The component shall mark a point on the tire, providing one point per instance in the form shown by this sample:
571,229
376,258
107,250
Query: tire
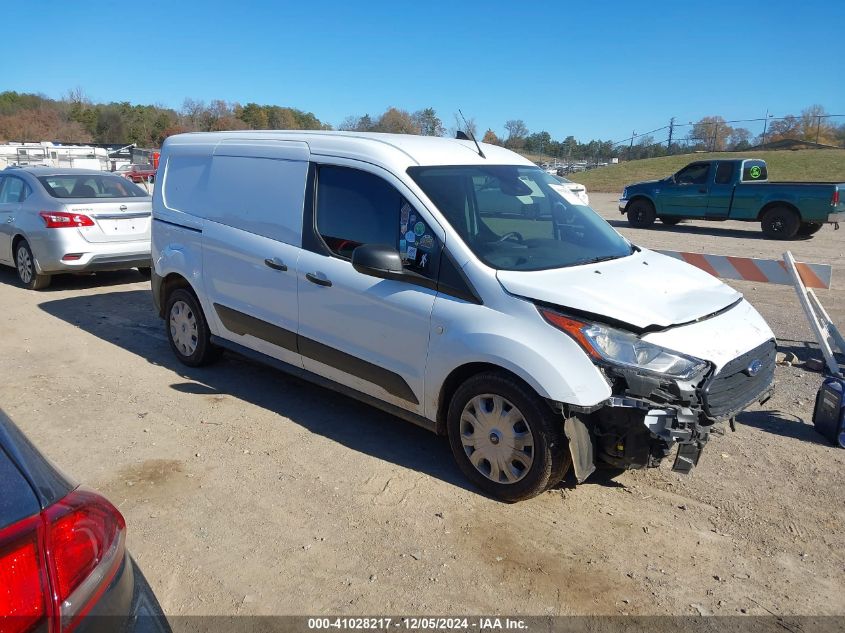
187,330
780,223
515,472
145,272
27,268
641,214
670,221
809,228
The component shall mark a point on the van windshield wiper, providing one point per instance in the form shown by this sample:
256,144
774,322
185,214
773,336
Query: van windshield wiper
596,260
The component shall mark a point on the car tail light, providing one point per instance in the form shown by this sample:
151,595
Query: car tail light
61,219
834,200
58,563
23,586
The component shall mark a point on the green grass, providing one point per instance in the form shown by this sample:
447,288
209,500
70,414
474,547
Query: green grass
806,164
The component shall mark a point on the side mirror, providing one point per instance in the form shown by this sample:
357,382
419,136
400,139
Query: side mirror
377,260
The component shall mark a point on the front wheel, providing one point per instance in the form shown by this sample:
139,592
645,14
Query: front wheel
187,330
505,438
27,269
809,228
780,223
641,214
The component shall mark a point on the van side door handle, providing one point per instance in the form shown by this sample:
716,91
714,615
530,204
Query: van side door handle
275,263
314,279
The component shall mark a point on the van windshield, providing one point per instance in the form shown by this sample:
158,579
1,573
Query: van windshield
519,218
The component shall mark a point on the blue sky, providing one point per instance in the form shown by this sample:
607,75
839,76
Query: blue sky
593,70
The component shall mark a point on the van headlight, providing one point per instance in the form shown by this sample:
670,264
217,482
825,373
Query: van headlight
618,347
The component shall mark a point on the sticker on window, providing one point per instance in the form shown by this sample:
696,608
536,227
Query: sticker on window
426,242
412,253
419,229
410,237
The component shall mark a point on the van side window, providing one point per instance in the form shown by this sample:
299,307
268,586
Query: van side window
695,174
724,173
354,208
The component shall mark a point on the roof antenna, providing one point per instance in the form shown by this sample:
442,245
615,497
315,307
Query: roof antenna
471,135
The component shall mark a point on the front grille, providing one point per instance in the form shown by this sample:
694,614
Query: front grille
732,389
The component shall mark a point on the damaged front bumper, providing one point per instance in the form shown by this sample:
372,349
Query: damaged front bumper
648,415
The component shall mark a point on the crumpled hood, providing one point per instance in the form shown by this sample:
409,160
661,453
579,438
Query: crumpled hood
644,290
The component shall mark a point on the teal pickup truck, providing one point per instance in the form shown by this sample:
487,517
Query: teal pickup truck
735,189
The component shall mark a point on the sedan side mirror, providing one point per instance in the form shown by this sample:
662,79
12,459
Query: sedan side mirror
377,260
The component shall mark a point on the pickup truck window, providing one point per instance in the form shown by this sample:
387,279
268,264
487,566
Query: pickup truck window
754,171
695,174
724,173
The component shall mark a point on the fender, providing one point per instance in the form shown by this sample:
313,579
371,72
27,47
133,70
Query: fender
520,341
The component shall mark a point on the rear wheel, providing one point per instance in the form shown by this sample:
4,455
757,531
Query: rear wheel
187,330
669,221
780,223
505,438
27,269
641,213
809,228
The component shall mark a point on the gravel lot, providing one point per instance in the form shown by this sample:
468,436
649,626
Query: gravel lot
248,492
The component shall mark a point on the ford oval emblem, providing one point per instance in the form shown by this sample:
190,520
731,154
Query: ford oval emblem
754,367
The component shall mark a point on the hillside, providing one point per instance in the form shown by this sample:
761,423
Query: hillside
808,164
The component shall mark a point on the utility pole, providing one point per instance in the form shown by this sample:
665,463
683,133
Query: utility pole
818,127
631,146
715,133
671,129
765,123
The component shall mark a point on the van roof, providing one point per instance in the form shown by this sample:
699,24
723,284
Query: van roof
389,150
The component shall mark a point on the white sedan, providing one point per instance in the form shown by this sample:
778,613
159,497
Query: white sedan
580,191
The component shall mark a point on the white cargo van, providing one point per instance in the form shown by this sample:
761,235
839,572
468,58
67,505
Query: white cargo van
458,286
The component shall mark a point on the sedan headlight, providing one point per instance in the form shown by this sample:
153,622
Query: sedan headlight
618,347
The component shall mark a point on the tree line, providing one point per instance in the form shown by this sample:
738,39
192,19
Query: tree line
75,118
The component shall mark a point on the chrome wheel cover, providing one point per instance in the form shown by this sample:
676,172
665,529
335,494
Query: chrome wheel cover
496,438
183,328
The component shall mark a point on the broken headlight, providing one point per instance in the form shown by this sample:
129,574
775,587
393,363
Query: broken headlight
618,347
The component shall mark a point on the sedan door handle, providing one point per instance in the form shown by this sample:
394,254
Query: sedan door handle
275,263
314,279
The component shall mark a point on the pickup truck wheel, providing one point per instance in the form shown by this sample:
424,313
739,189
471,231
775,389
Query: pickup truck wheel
780,223
670,221
641,214
505,438
809,228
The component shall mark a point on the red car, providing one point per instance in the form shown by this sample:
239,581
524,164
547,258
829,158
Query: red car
141,173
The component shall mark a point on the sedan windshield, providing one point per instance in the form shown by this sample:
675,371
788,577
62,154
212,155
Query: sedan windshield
519,218
90,186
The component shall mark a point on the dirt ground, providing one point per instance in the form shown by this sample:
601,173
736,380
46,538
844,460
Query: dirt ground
248,492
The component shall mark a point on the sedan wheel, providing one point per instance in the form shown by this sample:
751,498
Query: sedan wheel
27,269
